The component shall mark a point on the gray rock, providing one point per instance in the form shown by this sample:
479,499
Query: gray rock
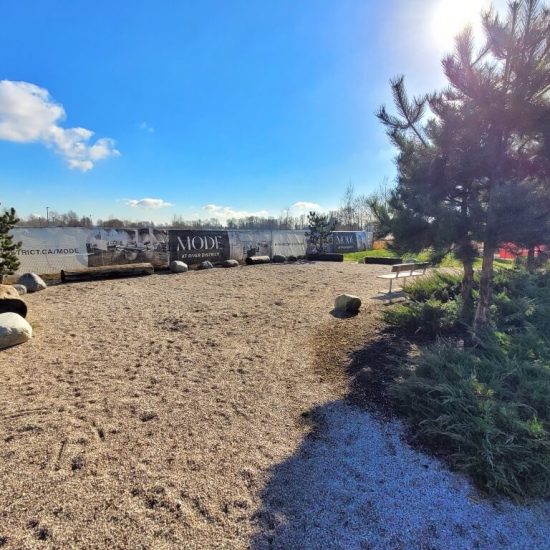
230,263
292,258
278,259
347,303
205,265
21,289
13,330
32,282
178,267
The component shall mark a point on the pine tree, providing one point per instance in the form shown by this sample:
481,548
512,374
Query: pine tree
506,86
320,227
487,141
9,262
430,207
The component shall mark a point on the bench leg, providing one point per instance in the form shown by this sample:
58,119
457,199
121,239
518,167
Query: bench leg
391,281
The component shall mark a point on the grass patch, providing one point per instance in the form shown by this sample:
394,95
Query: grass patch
356,256
486,408
423,256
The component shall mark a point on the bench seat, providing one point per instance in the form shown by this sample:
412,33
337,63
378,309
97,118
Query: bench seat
401,275
402,271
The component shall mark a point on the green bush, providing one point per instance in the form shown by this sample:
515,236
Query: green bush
431,317
489,415
439,286
487,408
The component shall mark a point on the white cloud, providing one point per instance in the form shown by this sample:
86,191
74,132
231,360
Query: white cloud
224,213
146,127
304,206
29,114
148,203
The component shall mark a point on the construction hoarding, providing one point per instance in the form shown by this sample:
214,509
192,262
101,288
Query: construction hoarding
51,249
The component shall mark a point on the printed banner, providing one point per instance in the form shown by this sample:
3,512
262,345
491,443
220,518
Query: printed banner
127,246
343,241
51,249
193,247
289,243
245,244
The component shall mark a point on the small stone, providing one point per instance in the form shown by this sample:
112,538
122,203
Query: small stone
206,265
230,263
21,289
13,330
32,282
178,267
146,416
278,259
364,376
347,303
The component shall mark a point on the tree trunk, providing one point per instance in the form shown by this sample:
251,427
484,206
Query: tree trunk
466,292
482,316
531,258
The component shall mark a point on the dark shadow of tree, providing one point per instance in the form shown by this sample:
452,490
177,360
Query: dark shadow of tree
354,483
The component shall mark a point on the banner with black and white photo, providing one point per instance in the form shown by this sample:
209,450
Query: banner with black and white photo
244,244
289,243
51,249
127,246
343,241
48,250
195,246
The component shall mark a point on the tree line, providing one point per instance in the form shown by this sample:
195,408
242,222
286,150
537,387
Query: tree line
353,214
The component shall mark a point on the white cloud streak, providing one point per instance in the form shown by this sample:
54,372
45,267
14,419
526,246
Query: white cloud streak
224,213
146,127
148,203
28,114
305,206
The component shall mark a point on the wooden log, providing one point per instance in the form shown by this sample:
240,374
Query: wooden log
387,260
107,272
13,305
325,257
254,260
11,302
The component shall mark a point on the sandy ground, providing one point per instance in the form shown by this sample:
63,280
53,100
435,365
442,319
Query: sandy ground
148,412
204,410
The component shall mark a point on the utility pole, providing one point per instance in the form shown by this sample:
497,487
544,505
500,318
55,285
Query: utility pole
47,216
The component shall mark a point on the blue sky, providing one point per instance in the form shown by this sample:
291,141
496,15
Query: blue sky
245,106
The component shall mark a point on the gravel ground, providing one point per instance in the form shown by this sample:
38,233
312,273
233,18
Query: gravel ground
207,410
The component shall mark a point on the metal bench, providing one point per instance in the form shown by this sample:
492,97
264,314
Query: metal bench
402,271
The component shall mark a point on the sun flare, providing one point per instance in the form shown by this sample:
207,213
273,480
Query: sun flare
452,16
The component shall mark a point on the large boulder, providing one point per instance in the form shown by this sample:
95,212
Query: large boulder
206,265
178,267
32,282
10,301
278,259
13,330
230,263
347,303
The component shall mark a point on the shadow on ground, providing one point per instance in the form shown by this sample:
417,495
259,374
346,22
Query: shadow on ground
354,483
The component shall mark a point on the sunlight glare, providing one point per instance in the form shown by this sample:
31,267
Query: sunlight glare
451,16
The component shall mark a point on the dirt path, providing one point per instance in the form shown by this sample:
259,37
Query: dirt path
149,412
